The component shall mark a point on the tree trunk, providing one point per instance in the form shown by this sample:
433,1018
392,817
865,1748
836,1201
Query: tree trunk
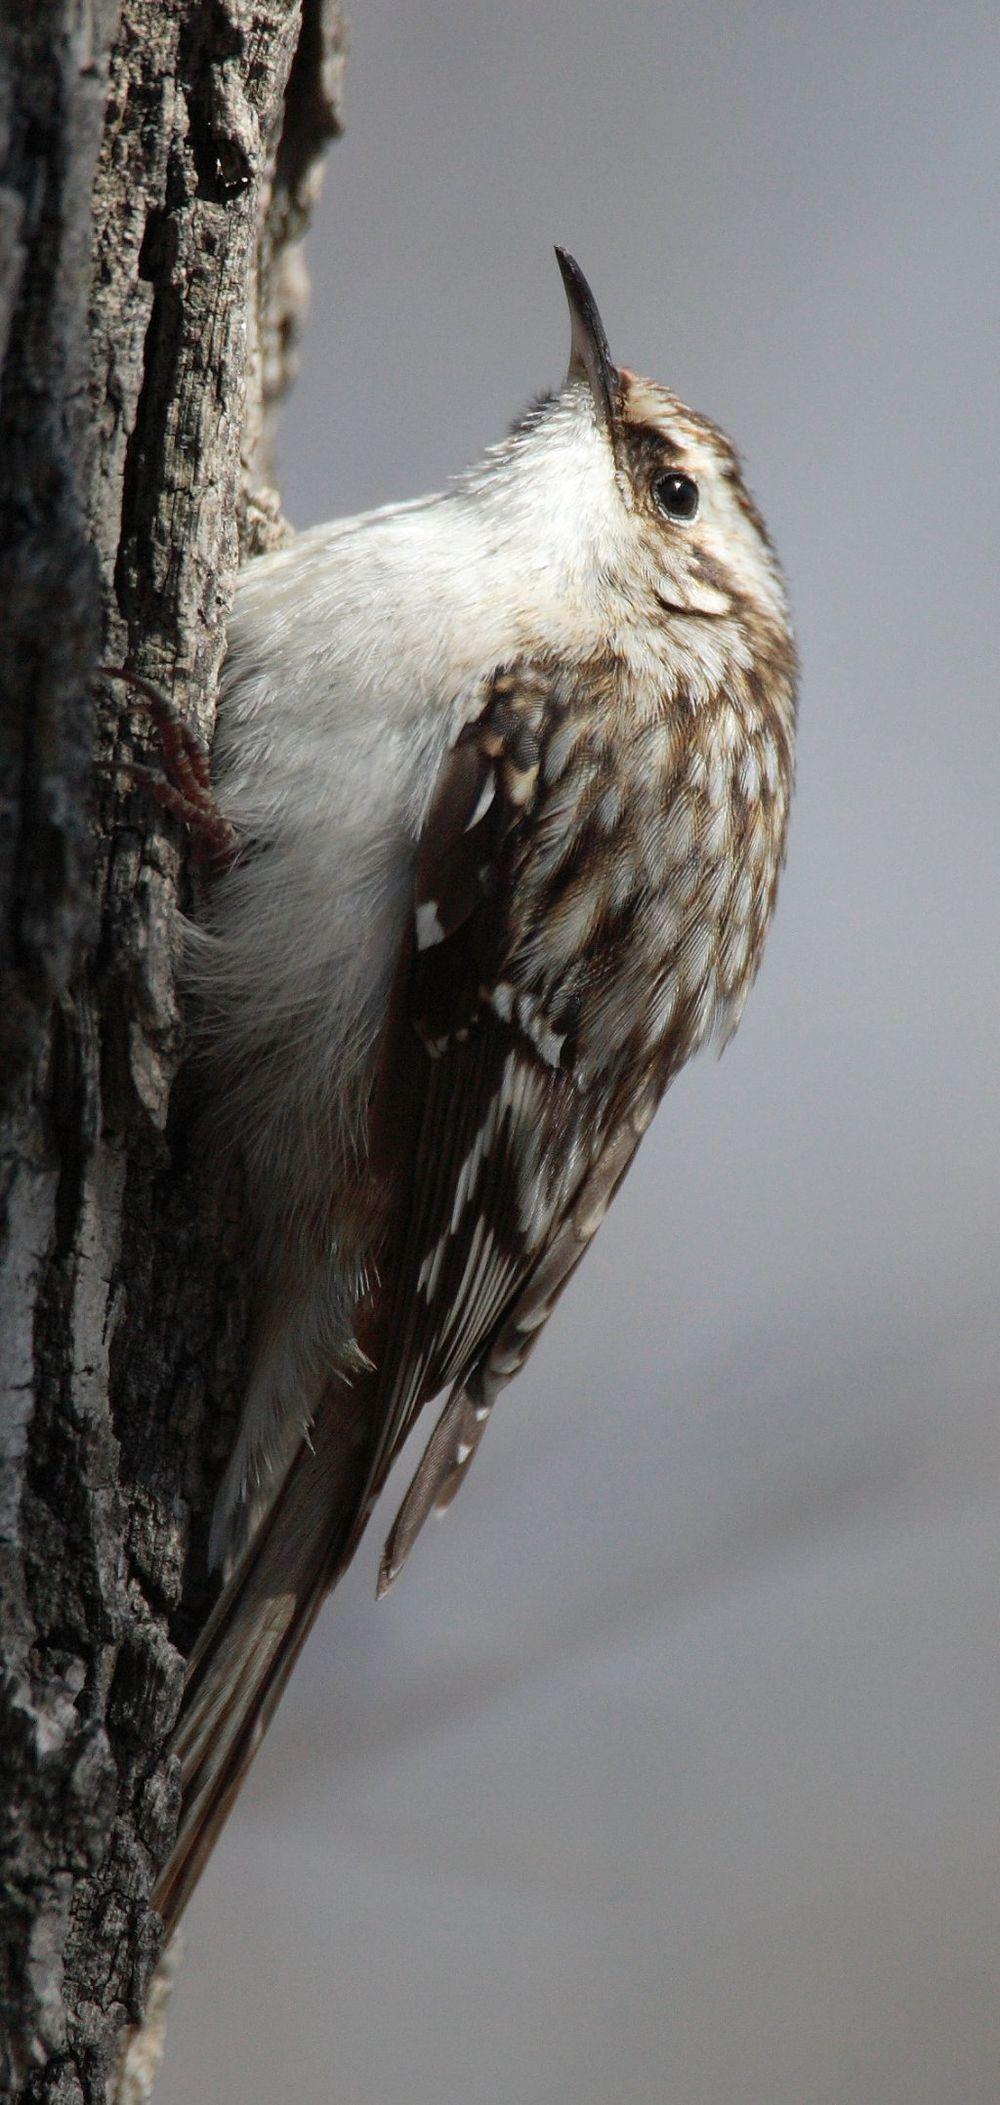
158,165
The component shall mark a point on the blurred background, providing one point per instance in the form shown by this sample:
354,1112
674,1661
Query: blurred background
668,1771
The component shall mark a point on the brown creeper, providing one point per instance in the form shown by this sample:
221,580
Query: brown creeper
509,769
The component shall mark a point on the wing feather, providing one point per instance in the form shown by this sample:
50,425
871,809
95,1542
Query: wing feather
463,1254
462,1423
506,1139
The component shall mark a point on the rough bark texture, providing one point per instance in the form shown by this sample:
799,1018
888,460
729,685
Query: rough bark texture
157,164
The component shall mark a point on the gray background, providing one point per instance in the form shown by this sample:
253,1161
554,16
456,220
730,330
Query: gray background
668,1772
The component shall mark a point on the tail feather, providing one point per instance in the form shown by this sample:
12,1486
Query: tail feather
261,1621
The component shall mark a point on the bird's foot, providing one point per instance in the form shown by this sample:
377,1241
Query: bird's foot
185,787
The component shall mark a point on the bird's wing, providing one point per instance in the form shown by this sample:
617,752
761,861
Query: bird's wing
459,1429
511,1168
499,1156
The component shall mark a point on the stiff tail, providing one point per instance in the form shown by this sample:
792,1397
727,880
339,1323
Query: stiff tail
263,1616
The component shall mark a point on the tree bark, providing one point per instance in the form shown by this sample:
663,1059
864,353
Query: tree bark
157,166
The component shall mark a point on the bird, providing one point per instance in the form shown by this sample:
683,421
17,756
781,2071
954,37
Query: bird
497,807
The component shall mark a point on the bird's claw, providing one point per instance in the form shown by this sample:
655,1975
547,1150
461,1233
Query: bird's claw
185,788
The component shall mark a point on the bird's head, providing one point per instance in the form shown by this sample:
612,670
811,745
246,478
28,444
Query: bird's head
642,503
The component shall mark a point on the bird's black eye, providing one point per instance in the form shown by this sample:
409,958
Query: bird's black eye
676,495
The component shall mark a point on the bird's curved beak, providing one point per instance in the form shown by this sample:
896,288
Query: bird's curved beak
589,357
